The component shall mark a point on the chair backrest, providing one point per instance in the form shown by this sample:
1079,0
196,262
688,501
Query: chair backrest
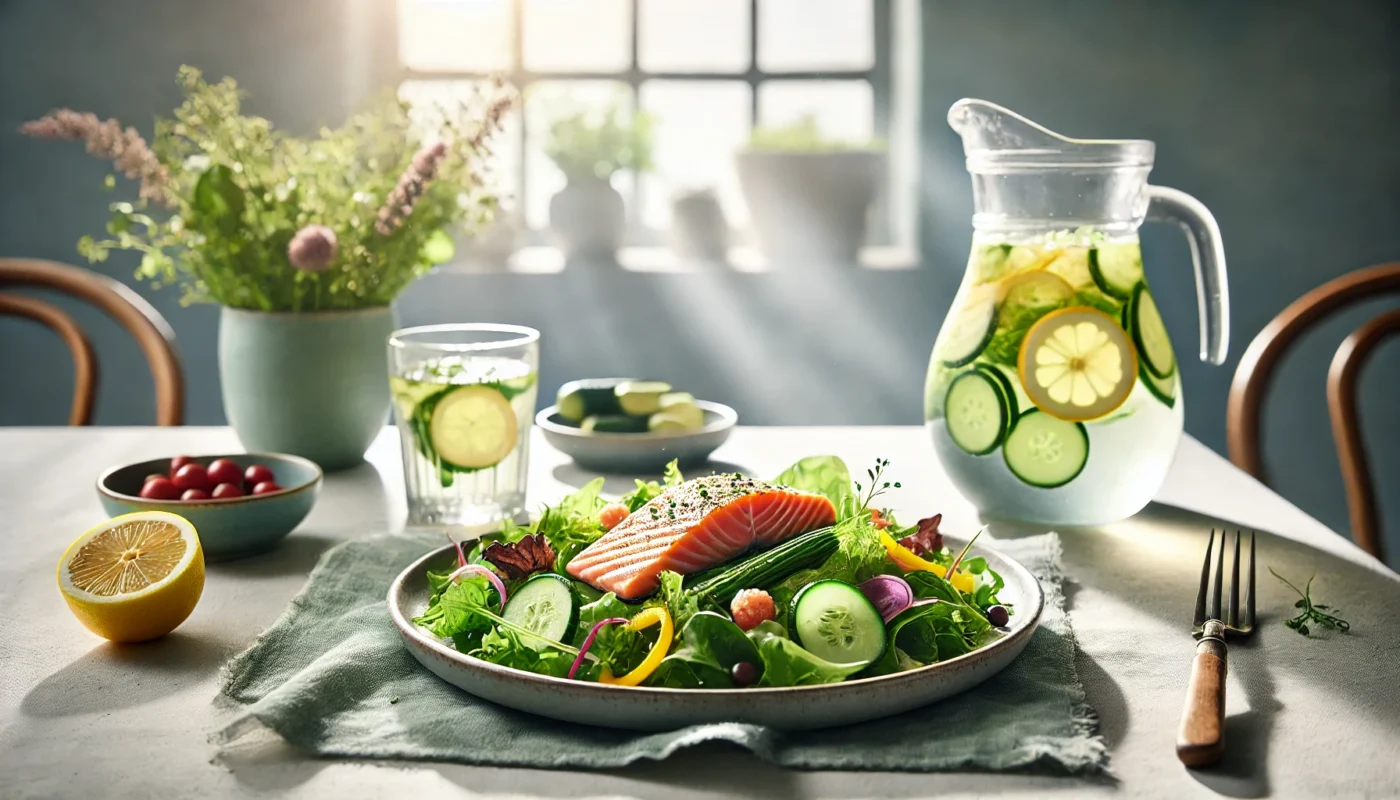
1256,369
151,331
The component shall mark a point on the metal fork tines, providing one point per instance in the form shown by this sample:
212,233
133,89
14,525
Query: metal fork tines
1201,739
1230,622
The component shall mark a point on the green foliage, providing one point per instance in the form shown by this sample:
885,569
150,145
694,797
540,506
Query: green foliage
615,647
505,647
1309,612
647,491
823,475
573,524
599,142
786,663
710,647
803,136
859,557
679,604
242,190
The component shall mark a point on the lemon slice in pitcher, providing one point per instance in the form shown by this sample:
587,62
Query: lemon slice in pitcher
1077,364
473,427
133,577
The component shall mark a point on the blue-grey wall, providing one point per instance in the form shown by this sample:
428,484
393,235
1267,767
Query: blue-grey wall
1281,116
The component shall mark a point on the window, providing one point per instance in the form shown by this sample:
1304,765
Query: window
705,69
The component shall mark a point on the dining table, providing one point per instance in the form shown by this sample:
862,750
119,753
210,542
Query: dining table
1307,716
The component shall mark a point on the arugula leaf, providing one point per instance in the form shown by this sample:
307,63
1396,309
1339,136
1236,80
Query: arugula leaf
823,475
572,524
671,476
454,611
616,647
647,491
506,648
938,631
680,605
712,645
786,663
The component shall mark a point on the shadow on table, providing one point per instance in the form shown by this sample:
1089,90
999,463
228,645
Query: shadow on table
622,483
112,676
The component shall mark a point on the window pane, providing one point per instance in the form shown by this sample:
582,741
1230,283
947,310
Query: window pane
699,125
815,35
577,35
502,168
693,35
546,101
462,35
843,110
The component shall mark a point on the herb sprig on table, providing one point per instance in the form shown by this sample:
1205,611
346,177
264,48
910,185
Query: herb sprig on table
1316,614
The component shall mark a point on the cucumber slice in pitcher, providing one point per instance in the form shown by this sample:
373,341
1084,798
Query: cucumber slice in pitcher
1150,333
1163,389
971,330
1046,451
832,620
1116,270
1012,403
545,605
977,412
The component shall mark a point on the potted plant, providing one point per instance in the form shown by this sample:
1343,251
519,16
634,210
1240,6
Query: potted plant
305,242
809,196
589,147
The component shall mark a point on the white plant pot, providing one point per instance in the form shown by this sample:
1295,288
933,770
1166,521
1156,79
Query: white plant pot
588,218
810,207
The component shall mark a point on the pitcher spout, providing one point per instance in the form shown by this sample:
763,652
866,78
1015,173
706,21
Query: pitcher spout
997,138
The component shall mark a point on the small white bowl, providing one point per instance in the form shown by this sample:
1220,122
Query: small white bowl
638,452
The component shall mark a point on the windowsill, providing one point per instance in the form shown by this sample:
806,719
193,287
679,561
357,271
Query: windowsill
547,260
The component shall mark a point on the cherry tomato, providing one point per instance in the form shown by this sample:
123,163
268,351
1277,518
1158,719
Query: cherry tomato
160,489
192,476
223,470
266,487
227,490
177,462
194,494
153,476
257,474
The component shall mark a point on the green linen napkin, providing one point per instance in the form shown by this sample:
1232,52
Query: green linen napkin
332,677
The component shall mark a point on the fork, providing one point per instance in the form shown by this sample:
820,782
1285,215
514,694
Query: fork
1200,741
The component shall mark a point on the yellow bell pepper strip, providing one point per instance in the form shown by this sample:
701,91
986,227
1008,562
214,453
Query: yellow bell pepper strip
647,618
909,562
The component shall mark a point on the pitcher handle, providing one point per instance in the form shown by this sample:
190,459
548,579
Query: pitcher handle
1208,255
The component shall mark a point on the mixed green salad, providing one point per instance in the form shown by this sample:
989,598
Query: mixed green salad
866,596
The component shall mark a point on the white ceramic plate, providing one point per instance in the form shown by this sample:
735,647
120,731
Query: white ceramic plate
638,452
644,708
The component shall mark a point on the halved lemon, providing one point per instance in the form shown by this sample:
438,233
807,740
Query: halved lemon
1077,364
133,577
473,427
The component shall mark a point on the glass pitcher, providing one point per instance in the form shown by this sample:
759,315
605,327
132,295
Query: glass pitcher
1053,391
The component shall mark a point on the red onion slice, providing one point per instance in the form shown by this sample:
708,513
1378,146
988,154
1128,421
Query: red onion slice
891,594
588,641
477,569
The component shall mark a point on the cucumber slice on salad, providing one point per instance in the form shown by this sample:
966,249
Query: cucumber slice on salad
1116,270
546,605
977,412
835,622
1046,451
1150,333
970,332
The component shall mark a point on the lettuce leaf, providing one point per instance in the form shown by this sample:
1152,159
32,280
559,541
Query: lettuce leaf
712,645
647,491
823,475
786,663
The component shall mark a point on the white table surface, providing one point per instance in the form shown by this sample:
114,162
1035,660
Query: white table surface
82,718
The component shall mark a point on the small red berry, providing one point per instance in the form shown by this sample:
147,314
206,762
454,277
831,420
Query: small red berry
751,607
154,476
192,476
257,474
223,470
224,490
266,487
179,461
160,489
194,494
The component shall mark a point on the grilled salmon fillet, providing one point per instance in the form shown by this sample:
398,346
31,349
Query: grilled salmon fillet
694,526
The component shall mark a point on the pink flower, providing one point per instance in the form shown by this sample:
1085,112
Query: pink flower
313,248
127,151
410,187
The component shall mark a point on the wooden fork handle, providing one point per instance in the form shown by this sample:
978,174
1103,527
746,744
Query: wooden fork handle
1201,740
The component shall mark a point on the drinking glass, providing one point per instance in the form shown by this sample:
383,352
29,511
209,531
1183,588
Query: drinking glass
464,397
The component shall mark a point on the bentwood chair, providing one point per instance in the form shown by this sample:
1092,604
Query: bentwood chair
1256,369
152,333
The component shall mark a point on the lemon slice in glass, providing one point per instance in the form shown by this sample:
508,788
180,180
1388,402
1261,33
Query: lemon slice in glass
133,577
1077,364
473,427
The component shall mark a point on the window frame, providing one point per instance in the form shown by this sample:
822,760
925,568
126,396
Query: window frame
879,76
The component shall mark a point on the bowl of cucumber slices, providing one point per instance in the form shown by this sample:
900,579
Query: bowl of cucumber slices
633,425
